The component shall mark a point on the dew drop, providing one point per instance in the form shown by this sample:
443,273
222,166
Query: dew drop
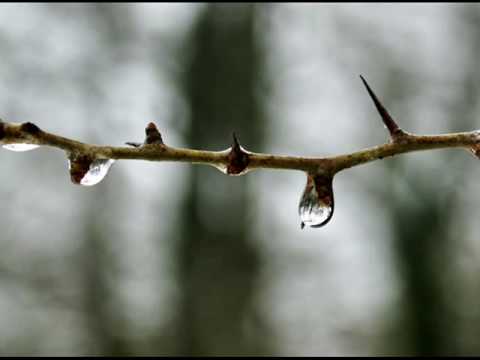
98,170
221,167
20,147
475,150
88,173
316,206
224,169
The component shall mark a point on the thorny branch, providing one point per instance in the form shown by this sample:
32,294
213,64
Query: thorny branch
238,161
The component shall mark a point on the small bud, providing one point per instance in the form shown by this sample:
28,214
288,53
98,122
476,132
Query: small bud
237,158
30,128
153,136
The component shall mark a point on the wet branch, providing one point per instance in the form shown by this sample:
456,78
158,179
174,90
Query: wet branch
89,164
236,160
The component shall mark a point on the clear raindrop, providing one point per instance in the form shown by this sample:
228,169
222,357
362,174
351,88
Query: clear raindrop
316,206
96,171
221,167
20,147
475,150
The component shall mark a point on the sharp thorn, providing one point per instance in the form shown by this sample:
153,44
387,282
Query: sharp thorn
236,144
387,119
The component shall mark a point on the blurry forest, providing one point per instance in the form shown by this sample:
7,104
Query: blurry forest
178,259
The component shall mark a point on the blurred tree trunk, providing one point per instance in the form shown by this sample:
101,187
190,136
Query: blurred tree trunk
103,320
219,263
421,245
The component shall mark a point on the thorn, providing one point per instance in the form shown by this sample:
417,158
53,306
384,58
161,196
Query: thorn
2,129
302,225
153,136
391,125
237,158
236,144
134,144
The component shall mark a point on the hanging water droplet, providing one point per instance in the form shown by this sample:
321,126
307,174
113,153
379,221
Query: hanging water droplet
316,205
20,147
84,171
475,150
98,170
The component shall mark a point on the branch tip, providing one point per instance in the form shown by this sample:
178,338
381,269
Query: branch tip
236,144
387,119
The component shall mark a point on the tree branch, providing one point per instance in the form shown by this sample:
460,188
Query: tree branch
236,160
17,134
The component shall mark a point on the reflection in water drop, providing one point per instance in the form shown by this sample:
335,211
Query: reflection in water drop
475,151
98,170
316,205
89,173
20,147
221,167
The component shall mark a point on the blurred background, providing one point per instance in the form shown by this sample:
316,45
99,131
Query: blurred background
175,259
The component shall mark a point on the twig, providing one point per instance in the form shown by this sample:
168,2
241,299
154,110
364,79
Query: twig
17,133
236,160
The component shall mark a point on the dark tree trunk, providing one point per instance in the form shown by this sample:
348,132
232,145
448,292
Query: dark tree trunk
219,262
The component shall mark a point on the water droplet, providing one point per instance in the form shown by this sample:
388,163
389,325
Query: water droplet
84,171
316,206
475,150
236,162
221,167
20,147
98,170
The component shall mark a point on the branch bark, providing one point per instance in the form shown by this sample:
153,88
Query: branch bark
90,163
28,133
